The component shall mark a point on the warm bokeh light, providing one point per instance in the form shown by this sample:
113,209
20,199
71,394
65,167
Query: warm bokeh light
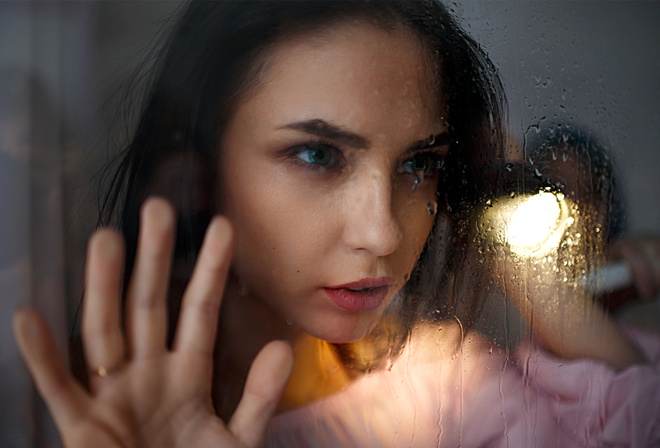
531,225
536,226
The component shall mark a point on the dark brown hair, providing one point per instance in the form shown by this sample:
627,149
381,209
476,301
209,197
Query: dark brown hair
212,56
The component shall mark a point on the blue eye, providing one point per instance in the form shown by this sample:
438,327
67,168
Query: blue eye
421,165
318,154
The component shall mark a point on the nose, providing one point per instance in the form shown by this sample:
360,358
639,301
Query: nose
370,222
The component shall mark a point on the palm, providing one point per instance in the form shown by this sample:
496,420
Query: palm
114,416
151,395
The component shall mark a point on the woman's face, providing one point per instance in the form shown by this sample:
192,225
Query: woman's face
329,172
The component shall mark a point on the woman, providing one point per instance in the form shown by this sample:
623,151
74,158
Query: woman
339,140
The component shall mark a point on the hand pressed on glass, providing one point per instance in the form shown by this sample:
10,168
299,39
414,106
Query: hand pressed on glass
143,394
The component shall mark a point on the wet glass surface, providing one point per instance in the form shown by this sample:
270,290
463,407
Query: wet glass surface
581,164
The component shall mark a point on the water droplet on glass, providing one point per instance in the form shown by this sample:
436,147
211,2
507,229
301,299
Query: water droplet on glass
534,127
509,167
416,183
389,363
432,208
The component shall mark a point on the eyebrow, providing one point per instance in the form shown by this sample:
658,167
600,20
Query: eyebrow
323,129
434,140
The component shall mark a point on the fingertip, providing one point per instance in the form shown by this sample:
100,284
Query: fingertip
222,227
34,339
274,362
158,210
106,242
219,238
26,326
157,226
263,390
105,258
23,312
282,353
158,203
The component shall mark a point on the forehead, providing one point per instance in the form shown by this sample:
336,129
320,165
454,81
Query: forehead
368,68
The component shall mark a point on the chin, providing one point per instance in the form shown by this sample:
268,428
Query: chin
343,331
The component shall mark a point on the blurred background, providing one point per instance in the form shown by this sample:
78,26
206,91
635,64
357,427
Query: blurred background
64,66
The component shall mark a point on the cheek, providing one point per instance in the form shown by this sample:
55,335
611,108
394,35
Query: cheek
415,213
280,230
416,232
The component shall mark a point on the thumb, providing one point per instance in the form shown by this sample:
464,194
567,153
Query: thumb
263,389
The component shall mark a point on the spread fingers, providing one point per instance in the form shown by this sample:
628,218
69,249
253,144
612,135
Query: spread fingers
146,308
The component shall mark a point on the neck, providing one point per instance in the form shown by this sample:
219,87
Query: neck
246,324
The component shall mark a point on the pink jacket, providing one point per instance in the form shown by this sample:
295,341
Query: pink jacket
476,396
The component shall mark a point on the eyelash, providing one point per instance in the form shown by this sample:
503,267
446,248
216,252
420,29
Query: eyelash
337,161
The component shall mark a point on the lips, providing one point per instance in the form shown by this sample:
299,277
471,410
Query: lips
360,296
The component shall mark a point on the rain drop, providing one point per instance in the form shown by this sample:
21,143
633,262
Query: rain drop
389,364
535,127
432,208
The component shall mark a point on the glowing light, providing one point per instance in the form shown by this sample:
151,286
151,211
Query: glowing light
531,225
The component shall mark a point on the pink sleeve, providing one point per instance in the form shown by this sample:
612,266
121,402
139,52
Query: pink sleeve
591,405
